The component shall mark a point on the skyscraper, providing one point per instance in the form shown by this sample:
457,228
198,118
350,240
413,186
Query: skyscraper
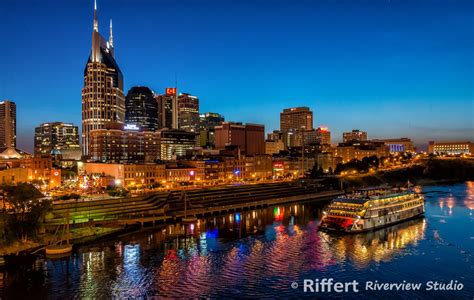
7,124
165,110
56,136
103,101
141,108
296,118
188,112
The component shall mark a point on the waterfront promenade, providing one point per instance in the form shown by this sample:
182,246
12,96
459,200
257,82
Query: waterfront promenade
159,207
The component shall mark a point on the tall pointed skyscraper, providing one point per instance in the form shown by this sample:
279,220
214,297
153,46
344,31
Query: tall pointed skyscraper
103,100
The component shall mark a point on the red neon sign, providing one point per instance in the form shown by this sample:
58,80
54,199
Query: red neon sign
170,91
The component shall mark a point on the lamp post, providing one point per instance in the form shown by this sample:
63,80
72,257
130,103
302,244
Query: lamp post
302,151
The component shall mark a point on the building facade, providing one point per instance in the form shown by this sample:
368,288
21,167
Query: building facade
188,113
358,150
141,108
127,175
323,136
103,100
165,104
249,138
451,148
59,136
274,147
296,118
354,135
208,122
175,142
398,145
7,124
116,145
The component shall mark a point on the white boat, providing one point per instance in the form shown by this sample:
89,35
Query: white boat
369,209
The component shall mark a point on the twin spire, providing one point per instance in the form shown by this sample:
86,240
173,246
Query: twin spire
96,25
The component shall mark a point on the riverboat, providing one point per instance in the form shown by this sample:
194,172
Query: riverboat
370,209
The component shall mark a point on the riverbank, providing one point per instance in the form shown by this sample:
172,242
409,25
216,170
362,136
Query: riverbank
79,236
432,172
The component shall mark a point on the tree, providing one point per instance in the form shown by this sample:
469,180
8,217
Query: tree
25,208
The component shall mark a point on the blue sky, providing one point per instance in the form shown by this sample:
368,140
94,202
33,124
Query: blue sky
392,68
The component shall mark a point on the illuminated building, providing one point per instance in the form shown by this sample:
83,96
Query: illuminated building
249,138
208,122
175,173
296,118
125,144
126,174
7,124
275,135
398,145
358,150
103,101
258,166
165,110
451,148
274,147
323,136
354,135
286,167
56,136
188,113
327,161
141,108
175,142
14,175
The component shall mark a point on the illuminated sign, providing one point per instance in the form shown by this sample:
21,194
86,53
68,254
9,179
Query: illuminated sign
131,127
278,166
170,91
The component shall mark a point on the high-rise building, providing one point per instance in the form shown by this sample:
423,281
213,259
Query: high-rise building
296,118
354,135
57,136
188,113
7,124
165,110
128,144
141,108
103,100
208,122
250,138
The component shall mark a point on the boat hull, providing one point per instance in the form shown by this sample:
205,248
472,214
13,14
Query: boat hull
58,250
371,224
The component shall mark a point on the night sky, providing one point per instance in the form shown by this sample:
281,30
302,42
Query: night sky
392,68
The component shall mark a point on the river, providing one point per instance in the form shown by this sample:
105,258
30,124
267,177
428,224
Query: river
261,253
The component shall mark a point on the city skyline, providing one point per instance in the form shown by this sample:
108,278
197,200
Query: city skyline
411,106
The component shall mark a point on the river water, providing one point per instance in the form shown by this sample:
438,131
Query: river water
261,253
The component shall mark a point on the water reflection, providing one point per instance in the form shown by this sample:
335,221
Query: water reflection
249,253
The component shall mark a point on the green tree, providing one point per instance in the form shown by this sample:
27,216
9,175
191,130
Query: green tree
25,209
